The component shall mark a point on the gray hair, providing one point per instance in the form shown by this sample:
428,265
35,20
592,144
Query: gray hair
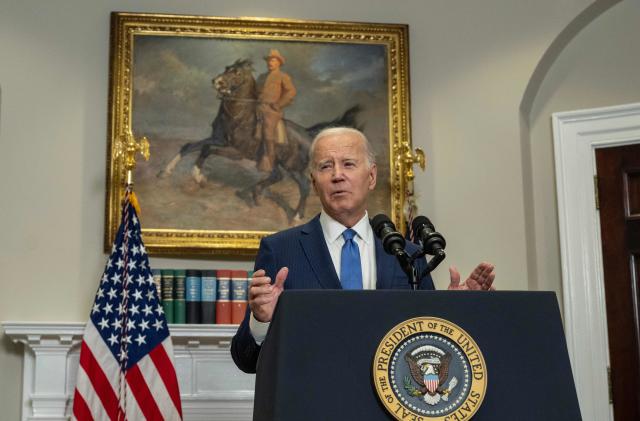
337,131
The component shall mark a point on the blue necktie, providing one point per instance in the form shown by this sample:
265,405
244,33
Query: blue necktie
350,269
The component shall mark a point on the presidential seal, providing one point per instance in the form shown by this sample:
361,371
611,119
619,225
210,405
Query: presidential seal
429,369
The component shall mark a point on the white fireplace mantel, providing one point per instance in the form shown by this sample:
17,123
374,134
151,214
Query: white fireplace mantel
211,387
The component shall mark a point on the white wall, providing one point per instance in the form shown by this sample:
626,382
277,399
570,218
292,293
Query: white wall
470,65
598,68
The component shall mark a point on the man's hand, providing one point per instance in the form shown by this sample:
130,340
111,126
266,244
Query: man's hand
480,279
263,295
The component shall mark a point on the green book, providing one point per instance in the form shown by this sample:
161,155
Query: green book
166,285
179,302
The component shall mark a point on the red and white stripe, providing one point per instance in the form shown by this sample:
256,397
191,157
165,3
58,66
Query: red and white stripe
432,385
150,391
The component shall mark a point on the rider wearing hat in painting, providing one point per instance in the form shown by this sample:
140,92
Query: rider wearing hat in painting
275,91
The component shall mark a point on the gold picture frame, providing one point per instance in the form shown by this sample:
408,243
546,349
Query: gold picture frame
161,73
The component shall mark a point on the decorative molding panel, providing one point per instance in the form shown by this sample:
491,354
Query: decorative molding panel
577,134
211,386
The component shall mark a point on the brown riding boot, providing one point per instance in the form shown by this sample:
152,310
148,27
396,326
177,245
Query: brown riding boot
268,158
293,160
264,164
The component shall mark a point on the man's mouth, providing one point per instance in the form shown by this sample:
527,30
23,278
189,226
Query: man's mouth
339,193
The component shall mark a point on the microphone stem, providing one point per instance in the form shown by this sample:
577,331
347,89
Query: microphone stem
434,262
407,267
414,278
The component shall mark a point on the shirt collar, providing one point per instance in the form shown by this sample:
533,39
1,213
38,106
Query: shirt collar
333,229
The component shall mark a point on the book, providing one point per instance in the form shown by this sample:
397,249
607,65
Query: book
208,296
179,303
223,302
166,283
157,279
193,284
239,284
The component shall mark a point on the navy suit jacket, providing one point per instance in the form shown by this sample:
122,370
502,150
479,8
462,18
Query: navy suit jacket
304,251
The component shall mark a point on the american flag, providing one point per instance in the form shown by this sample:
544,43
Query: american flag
410,210
126,361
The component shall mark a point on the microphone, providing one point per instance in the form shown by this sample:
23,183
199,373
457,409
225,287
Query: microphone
430,241
392,241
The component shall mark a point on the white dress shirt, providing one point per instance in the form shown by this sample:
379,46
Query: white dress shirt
332,231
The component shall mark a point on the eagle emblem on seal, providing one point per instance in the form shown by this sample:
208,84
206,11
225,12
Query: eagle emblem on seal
429,367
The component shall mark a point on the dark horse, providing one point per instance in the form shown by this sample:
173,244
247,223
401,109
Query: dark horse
232,136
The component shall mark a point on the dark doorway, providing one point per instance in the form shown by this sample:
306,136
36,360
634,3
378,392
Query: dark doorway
618,181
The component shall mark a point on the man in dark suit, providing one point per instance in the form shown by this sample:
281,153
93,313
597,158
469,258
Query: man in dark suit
336,249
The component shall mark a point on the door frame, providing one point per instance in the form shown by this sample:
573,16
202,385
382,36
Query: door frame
576,136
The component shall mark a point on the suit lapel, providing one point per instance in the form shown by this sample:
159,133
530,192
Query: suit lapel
385,266
317,253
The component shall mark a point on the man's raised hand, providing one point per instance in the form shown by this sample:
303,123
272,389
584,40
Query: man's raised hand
263,295
480,279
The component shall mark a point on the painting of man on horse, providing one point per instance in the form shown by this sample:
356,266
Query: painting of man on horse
209,113
240,117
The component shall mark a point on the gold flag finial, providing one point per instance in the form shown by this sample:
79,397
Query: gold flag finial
410,158
126,148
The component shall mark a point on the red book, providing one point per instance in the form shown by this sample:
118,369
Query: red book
223,304
239,287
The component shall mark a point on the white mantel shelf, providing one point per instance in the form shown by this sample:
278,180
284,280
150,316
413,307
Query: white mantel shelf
211,387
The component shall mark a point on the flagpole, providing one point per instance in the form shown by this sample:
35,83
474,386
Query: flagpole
406,160
126,150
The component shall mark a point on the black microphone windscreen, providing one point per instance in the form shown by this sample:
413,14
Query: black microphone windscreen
379,221
420,221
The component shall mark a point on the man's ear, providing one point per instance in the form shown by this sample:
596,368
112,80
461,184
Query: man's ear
373,176
313,182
